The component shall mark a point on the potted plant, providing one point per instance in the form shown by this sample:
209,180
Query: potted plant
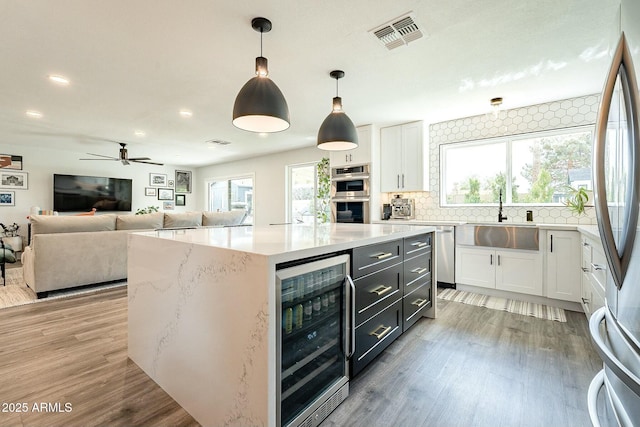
324,191
148,209
577,201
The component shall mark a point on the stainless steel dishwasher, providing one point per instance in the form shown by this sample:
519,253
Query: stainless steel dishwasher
446,241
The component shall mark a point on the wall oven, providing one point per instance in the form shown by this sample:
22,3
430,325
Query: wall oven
350,194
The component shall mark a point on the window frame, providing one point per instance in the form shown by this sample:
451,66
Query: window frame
289,183
509,140
210,181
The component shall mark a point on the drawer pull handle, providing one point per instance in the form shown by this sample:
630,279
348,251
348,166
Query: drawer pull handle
381,332
598,267
382,256
419,270
585,301
419,244
585,269
381,290
419,302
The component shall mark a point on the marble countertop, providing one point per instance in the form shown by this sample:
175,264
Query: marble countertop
571,227
290,241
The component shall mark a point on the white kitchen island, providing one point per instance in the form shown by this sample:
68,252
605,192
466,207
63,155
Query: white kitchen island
202,310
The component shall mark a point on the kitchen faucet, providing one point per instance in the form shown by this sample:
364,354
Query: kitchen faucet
500,216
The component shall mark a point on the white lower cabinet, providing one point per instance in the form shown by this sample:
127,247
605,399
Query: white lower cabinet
564,265
507,270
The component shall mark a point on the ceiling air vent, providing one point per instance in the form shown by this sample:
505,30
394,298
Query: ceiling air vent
398,32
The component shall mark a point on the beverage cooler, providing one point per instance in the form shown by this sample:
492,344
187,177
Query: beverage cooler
313,340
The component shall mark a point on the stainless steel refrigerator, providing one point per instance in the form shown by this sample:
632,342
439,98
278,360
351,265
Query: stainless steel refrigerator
614,394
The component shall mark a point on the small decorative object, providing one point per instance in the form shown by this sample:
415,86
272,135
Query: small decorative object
158,179
165,194
7,198
180,199
148,209
9,161
577,200
150,191
324,191
183,181
168,206
171,183
9,230
14,180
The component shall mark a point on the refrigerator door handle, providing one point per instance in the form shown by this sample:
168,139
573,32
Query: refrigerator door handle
352,320
618,257
597,383
610,359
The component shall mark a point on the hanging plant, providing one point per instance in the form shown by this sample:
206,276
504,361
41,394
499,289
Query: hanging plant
323,197
577,200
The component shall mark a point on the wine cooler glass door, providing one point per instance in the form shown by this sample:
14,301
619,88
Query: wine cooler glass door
312,337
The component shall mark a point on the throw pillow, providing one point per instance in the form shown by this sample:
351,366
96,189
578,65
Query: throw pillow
47,224
7,255
234,217
186,219
149,221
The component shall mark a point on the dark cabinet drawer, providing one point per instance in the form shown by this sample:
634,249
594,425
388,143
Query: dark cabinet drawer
415,304
373,336
417,271
367,259
377,290
417,245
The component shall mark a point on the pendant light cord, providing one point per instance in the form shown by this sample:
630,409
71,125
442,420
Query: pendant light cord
260,41
337,86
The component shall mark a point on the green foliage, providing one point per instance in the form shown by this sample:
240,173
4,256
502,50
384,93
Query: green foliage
542,189
324,191
499,182
148,209
577,200
473,190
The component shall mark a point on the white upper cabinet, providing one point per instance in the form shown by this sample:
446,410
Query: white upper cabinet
402,158
357,156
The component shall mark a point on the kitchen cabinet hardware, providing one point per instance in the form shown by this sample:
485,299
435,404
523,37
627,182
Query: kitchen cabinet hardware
381,290
498,259
420,302
598,267
380,332
552,243
352,335
419,244
382,256
585,269
490,259
419,270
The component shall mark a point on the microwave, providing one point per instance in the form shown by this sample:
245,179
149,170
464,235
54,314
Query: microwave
349,182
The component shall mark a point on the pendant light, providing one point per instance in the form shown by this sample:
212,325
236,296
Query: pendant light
260,105
496,107
337,132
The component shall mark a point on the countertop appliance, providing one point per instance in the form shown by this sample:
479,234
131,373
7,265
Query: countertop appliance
615,328
446,244
402,208
313,342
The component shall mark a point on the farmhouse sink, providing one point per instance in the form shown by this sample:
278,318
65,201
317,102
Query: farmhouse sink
511,236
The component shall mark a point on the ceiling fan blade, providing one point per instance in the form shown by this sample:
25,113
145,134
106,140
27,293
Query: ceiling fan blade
149,163
101,159
138,158
102,155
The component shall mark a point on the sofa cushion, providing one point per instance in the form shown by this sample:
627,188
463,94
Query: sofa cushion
48,224
234,217
186,219
7,255
148,221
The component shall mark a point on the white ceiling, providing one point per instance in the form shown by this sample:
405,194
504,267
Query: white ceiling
134,64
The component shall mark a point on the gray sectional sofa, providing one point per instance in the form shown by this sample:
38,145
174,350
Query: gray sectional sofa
70,251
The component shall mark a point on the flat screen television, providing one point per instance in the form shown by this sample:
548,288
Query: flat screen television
76,193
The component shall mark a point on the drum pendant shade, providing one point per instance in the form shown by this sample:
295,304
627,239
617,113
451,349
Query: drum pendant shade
337,132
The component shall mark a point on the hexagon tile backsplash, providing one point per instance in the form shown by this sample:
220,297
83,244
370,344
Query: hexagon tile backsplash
552,115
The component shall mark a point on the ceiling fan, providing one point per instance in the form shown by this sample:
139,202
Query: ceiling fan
124,157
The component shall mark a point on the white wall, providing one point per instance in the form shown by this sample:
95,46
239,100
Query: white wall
41,164
270,180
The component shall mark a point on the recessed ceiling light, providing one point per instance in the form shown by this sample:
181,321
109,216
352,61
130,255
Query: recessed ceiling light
61,80
186,113
139,133
34,114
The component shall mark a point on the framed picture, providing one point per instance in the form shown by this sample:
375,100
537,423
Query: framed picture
150,191
158,179
180,200
168,206
9,161
165,194
183,181
7,198
14,180
170,184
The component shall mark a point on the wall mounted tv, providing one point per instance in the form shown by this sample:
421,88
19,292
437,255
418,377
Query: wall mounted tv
76,193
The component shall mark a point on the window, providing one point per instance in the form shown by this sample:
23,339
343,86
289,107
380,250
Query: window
303,189
528,169
232,193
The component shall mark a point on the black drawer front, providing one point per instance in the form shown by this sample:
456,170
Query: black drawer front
417,245
377,290
367,259
415,304
416,272
373,336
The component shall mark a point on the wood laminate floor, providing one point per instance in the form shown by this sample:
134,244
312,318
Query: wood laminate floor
470,367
